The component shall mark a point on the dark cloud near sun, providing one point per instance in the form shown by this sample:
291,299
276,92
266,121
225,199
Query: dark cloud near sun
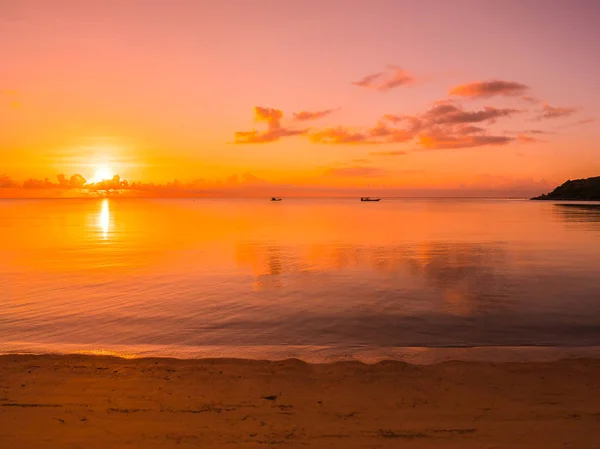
6,182
77,185
486,89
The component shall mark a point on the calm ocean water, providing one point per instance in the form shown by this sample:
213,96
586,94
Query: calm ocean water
320,279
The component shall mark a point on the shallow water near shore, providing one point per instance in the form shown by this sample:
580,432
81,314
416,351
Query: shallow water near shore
319,279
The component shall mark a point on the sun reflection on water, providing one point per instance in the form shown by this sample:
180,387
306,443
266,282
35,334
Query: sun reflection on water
104,219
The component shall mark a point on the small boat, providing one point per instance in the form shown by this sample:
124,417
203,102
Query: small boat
276,199
368,198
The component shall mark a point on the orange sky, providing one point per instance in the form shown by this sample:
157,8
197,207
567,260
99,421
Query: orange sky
297,98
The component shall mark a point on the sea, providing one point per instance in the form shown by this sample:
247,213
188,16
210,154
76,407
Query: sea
319,279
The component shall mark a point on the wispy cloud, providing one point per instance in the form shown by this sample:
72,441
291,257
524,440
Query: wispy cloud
341,136
524,138
443,140
272,117
450,113
551,112
530,99
368,81
486,89
384,81
379,134
584,121
356,172
388,153
308,115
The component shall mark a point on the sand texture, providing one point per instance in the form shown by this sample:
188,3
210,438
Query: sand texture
102,402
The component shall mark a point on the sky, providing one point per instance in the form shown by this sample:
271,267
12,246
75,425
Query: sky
311,97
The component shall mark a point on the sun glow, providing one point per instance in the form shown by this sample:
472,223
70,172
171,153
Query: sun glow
102,173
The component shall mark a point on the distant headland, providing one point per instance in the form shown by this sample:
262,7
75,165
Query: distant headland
575,190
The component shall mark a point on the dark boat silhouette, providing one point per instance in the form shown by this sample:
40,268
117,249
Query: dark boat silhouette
276,199
368,198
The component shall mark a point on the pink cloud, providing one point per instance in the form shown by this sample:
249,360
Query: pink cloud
384,81
388,153
551,112
441,140
524,138
356,172
272,117
341,135
307,115
450,114
484,89
367,81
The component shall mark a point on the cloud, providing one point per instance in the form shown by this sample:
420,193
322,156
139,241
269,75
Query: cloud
242,137
415,123
524,138
578,123
6,182
74,182
368,81
77,185
441,140
379,134
381,130
272,117
445,125
384,81
307,115
39,184
469,129
357,171
452,114
485,89
388,153
398,78
551,112
530,99
341,136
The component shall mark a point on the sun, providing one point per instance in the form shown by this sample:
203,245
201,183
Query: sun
102,173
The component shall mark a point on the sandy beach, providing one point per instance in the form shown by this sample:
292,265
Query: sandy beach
104,402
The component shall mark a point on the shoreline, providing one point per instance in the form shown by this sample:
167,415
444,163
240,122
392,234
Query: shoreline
417,355
76,401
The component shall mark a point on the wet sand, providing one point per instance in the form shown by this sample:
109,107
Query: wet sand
103,402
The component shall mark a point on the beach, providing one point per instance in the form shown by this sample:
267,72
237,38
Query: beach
86,401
